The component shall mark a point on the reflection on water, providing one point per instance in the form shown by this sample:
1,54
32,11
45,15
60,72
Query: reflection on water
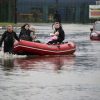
8,64
74,77
43,63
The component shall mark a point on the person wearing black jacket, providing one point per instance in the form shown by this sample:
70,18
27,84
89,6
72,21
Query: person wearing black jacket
61,34
25,33
8,37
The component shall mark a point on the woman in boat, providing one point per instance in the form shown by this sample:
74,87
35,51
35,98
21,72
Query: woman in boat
25,33
61,34
8,37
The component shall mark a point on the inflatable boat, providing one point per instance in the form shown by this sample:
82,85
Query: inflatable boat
33,48
95,36
95,31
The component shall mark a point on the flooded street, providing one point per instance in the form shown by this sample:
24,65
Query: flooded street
73,77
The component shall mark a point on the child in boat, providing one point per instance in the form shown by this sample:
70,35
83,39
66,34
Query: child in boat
32,34
54,36
8,37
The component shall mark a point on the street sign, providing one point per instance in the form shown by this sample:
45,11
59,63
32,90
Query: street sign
94,11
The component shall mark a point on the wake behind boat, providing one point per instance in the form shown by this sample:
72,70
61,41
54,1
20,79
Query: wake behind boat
33,48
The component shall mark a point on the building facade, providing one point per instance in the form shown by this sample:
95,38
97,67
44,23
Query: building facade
71,11
7,10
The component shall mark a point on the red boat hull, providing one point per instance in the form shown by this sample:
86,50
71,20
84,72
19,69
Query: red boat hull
32,48
94,38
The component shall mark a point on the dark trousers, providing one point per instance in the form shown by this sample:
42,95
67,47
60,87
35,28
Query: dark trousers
8,47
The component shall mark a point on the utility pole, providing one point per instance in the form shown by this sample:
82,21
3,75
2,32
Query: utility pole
56,4
15,12
9,10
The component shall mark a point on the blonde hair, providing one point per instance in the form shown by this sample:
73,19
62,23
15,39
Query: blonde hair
9,26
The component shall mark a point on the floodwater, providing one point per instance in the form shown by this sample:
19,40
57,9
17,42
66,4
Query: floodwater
73,77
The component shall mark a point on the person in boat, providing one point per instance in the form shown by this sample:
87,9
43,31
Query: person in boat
32,34
25,33
54,36
61,34
8,37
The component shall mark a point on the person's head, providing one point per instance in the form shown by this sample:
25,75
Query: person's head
32,28
25,26
9,28
57,25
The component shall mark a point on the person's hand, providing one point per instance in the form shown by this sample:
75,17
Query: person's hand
51,34
57,33
16,42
